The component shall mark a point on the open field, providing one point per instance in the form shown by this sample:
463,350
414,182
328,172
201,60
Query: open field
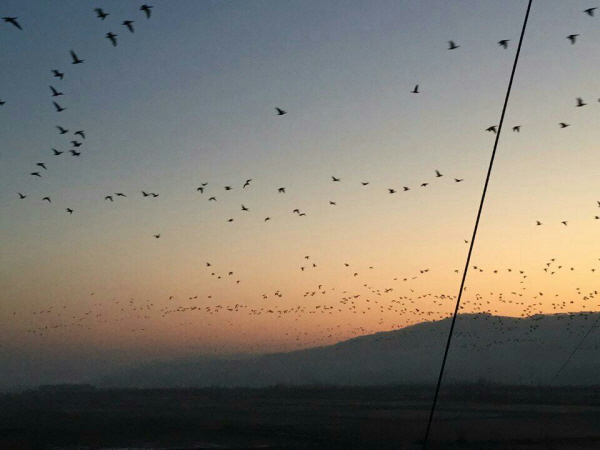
469,417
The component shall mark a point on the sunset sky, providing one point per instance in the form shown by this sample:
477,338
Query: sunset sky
190,98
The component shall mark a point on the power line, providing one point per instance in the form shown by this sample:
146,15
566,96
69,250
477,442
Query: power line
485,187
575,350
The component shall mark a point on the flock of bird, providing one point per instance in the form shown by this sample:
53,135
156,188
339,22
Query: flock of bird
383,301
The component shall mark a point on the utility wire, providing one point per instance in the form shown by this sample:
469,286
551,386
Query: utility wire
485,187
575,350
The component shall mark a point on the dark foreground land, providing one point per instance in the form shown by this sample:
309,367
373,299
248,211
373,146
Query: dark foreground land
469,417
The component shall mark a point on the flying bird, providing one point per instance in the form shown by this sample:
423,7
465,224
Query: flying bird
280,112
47,199
58,74
424,184
504,43
128,24
516,129
62,130
147,10
590,11
438,174
76,143
415,90
69,210
74,152
247,183
392,191
21,196
42,165
493,129
12,20
76,60
100,13
406,188
244,208
36,174
58,107
112,37
564,125
80,133
580,102
335,179
281,190
214,199
572,38
564,222
458,180
157,235
108,197
55,93
364,183
120,194
452,45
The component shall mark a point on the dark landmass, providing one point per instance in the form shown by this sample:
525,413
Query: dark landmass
470,416
507,350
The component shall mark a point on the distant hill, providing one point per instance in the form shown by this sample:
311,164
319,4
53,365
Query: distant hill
495,349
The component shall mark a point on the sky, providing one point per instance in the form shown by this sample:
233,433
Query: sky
190,98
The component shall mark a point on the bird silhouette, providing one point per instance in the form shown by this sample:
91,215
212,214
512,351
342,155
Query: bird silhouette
55,93
47,199
36,174
492,129
147,10
281,190
424,184
406,188
120,194
157,235
590,11
80,133
42,165
516,129
76,60
58,107
128,24
21,196
458,180
247,183
538,223
13,21
58,74
572,38
75,153
452,45
332,203
364,183
69,210
214,199
335,179
62,130
244,208
580,102
391,191
76,144
112,37
564,125
108,197
2,102
280,112
504,43
100,13
564,222
415,90
438,174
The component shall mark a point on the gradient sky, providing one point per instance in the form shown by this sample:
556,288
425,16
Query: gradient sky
190,97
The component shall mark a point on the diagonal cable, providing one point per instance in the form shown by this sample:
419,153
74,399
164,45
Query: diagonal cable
485,187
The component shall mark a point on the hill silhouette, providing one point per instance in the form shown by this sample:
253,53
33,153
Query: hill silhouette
496,349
